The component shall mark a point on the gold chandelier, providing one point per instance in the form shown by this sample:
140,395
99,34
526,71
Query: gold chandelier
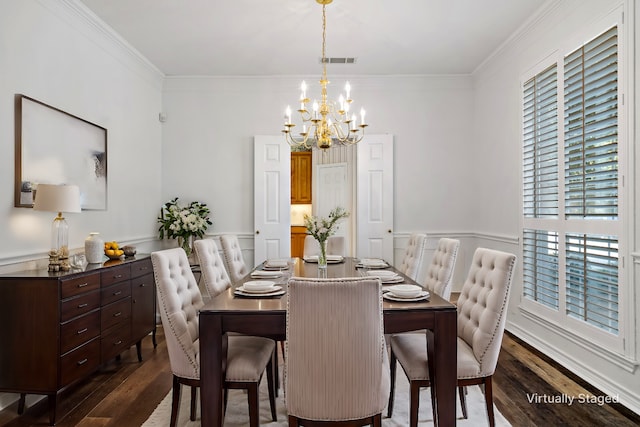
327,121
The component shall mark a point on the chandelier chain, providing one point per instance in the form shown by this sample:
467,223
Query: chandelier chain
328,121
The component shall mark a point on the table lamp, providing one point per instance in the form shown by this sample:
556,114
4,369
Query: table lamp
58,198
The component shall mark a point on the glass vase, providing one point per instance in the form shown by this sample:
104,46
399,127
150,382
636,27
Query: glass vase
185,243
322,256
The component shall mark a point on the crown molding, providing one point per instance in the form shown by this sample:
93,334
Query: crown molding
77,15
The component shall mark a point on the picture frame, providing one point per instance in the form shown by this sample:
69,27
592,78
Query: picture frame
56,147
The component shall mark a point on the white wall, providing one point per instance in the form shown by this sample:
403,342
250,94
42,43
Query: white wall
50,51
496,196
208,143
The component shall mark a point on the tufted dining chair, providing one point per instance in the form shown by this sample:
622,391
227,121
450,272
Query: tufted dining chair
236,267
438,280
482,307
440,272
336,368
413,255
335,246
179,300
214,274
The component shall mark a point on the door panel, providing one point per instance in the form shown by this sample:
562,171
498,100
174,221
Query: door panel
272,197
375,198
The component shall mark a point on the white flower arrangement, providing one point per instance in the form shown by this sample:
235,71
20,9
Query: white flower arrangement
182,223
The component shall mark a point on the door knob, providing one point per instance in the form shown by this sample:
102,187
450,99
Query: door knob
389,231
257,231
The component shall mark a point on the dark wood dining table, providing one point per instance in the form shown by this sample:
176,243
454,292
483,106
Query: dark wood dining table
267,317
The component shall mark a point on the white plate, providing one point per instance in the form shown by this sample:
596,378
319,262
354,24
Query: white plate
390,296
257,285
272,289
265,274
331,259
396,279
272,293
382,273
405,291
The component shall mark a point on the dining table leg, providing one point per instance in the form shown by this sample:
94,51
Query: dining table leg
212,369
445,367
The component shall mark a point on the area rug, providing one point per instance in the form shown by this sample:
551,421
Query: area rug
238,412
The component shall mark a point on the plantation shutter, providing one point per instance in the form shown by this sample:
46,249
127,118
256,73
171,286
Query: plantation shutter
540,139
591,129
540,267
592,280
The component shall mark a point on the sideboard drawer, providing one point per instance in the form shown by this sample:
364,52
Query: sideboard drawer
78,285
79,305
115,342
78,331
115,274
115,313
115,292
141,268
80,362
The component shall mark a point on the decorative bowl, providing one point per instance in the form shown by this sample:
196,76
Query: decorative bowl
129,251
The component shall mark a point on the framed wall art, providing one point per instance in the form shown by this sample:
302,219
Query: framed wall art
55,147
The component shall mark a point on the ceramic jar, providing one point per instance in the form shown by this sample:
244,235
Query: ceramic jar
94,248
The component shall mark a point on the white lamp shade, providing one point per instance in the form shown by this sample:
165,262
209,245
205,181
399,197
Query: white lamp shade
57,198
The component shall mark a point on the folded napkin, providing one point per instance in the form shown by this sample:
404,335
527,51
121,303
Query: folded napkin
277,263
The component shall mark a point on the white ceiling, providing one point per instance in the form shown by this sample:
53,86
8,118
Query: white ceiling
283,37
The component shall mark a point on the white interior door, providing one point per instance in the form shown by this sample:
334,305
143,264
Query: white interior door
375,197
331,189
272,198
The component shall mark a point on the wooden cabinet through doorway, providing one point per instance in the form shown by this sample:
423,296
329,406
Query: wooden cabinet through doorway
301,177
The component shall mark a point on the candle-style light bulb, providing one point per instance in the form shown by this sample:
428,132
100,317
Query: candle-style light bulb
353,121
362,112
347,88
341,102
303,87
288,114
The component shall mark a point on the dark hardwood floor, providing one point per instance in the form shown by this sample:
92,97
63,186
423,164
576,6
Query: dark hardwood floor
126,392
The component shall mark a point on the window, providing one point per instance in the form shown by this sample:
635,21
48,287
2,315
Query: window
570,246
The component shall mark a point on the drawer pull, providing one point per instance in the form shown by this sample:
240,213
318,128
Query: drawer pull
117,343
117,276
117,293
82,305
117,314
82,285
82,331
82,362
142,285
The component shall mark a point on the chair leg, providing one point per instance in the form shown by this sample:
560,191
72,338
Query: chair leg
254,410
271,375
463,401
488,398
175,402
293,421
392,376
21,403
414,403
377,420
434,407
194,396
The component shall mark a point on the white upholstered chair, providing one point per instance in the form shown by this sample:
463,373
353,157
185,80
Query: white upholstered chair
236,267
438,280
336,366
214,274
439,275
179,300
413,255
335,246
482,308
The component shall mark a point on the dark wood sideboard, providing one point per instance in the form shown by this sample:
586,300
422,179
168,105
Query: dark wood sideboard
58,328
